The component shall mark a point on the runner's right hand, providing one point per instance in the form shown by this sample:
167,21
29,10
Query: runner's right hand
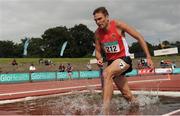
100,63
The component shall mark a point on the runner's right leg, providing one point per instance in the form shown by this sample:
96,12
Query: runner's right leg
114,69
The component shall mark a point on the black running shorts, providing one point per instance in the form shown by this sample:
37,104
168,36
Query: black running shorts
126,59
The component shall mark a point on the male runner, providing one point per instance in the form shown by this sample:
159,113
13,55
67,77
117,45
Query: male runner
110,37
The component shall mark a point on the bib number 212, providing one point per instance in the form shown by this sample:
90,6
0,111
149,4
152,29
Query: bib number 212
111,49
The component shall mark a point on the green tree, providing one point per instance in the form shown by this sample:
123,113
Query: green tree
137,49
53,40
82,41
35,48
7,49
166,44
18,50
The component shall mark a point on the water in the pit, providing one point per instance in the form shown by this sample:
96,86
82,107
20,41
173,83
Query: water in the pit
90,104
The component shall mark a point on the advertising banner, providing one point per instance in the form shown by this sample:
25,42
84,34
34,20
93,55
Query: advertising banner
93,61
176,71
132,73
16,77
64,75
38,76
166,51
89,74
163,70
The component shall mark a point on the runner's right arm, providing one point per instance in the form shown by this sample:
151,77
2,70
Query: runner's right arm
98,51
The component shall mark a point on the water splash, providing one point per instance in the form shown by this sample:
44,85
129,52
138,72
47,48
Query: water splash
91,104
145,100
76,104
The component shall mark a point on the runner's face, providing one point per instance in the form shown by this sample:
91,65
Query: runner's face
101,20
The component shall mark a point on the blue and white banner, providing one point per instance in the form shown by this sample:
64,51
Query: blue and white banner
63,48
26,46
94,52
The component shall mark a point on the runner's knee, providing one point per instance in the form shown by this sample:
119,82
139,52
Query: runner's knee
107,74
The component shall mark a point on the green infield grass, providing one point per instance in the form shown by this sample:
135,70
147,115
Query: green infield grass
77,63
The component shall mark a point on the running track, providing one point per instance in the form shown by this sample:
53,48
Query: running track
21,90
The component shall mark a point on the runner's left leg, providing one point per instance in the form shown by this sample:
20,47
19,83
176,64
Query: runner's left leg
122,84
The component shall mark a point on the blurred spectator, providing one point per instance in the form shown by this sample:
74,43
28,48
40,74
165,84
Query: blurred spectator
61,68
139,64
162,63
142,63
173,65
69,70
41,61
165,64
0,70
89,67
32,68
14,62
46,62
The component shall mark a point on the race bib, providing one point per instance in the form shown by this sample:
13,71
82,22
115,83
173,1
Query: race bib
111,47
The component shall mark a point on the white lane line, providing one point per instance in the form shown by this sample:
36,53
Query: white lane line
45,90
96,85
171,113
153,93
159,93
152,80
38,97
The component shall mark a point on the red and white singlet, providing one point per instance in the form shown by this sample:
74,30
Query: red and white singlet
114,45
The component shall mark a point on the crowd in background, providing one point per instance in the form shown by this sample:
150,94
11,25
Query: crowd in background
142,63
47,65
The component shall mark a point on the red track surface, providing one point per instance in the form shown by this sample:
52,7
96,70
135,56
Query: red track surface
21,90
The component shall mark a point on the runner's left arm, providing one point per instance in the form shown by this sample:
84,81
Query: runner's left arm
131,31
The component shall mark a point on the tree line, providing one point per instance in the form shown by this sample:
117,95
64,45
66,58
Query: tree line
79,39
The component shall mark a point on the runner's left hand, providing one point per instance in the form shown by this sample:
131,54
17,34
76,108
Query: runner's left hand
150,62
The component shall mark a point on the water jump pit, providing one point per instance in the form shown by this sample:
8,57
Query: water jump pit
90,103
157,95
